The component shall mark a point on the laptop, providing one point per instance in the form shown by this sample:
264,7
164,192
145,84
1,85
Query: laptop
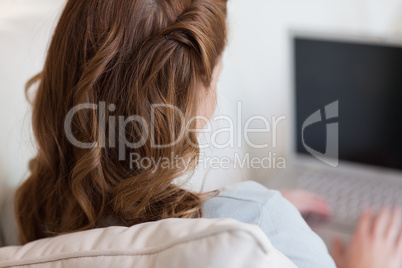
346,138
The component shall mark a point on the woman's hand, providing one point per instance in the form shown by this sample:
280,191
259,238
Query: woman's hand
307,203
377,242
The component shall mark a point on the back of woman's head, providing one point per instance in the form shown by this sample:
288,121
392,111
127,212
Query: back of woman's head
121,80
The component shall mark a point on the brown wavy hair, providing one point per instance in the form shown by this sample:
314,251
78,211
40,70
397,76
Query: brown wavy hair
130,54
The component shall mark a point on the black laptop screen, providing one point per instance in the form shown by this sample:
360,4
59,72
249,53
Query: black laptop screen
366,80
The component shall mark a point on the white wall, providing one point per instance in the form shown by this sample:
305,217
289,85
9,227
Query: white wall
256,63
25,28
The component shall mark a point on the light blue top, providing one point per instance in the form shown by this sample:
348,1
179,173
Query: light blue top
250,202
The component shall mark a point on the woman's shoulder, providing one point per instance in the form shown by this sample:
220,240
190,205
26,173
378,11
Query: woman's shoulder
243,201
253,203
249,192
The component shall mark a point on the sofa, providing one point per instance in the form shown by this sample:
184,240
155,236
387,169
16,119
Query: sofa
176,243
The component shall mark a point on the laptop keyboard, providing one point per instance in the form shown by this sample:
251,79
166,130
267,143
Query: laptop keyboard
349,196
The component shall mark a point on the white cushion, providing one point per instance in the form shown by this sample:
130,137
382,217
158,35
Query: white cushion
195,243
